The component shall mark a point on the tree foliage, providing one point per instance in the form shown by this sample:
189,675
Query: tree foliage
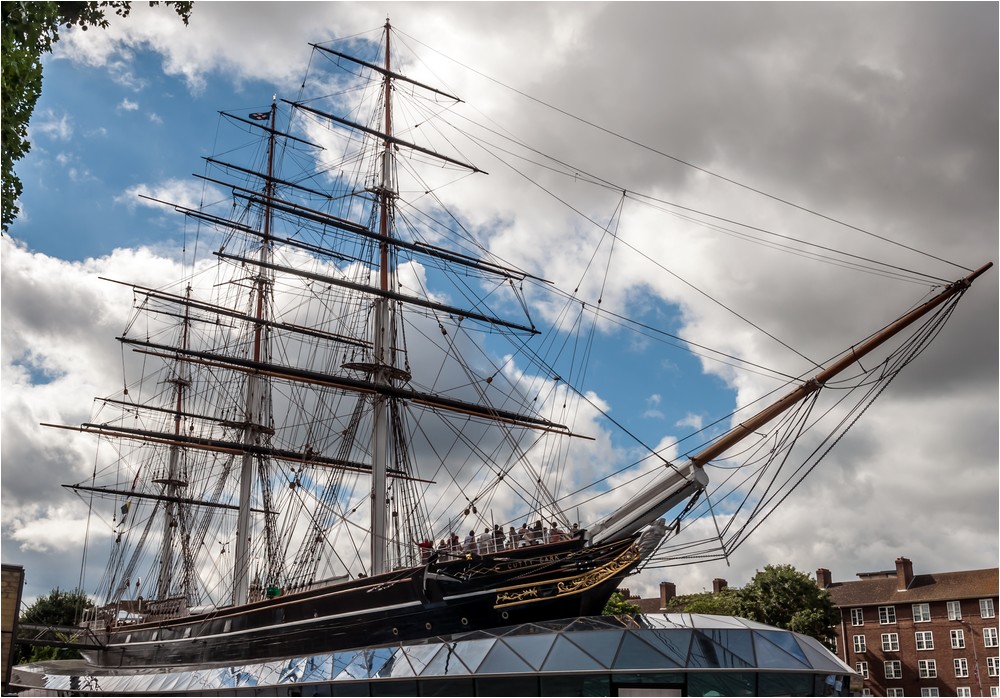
29,30
778,595
781,596
618,605
58,607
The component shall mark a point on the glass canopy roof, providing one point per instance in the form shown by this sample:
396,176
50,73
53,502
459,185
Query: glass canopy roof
655,643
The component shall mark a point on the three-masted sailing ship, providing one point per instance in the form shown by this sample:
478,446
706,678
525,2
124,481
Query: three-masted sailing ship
297,465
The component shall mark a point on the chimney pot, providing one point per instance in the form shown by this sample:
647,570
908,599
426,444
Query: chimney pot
718,585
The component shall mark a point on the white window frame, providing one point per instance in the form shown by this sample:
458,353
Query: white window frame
930,692
958,639
890,642
927,668
963,692
860,645
857,616
893,669
954,610
961,668
894,692
990,637
886,615
866,691
861,668
994,691
993,666
986,609
921,612
924,640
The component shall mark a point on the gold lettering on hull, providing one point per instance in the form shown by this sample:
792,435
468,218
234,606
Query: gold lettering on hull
571,585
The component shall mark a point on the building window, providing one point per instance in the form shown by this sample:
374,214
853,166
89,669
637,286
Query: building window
993,666
963,692
894,670
894,692
961,668
986,608
861,668
990,637
931,691
866,691
994,691
890,642
958,639
859,644
887,614
857,616
927,668
954,610
921,613
925,640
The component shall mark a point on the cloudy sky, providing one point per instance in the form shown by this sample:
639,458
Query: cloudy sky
881,117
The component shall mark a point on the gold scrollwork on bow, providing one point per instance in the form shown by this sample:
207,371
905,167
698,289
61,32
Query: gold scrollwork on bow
571,585
515,596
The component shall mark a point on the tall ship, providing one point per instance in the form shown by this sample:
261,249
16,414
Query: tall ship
352,424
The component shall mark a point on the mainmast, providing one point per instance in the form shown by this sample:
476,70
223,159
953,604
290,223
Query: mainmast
257,406
384,337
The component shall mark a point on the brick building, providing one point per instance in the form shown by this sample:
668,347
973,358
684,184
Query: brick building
919,635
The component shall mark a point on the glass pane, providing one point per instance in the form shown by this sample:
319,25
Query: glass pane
712,649
447,687
784,684
636,654
592,685
532,648
721,684
446,662
354,688
601,645
565,656
471,652
508,686
674,643
502,660
420,656
778,649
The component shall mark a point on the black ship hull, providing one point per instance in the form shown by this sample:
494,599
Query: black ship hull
530,584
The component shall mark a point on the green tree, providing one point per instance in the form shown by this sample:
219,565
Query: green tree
618,605
725,603
29,29
781,596
58,607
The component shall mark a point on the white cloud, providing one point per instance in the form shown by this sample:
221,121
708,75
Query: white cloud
128,105
183,192
798,100
54,126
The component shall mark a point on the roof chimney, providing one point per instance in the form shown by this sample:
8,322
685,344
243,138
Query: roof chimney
718,585
904,573
668,590
823,578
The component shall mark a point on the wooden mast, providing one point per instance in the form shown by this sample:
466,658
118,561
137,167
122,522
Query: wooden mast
384,339
256,397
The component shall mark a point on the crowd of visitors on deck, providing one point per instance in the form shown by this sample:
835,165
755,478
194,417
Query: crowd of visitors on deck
494,540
